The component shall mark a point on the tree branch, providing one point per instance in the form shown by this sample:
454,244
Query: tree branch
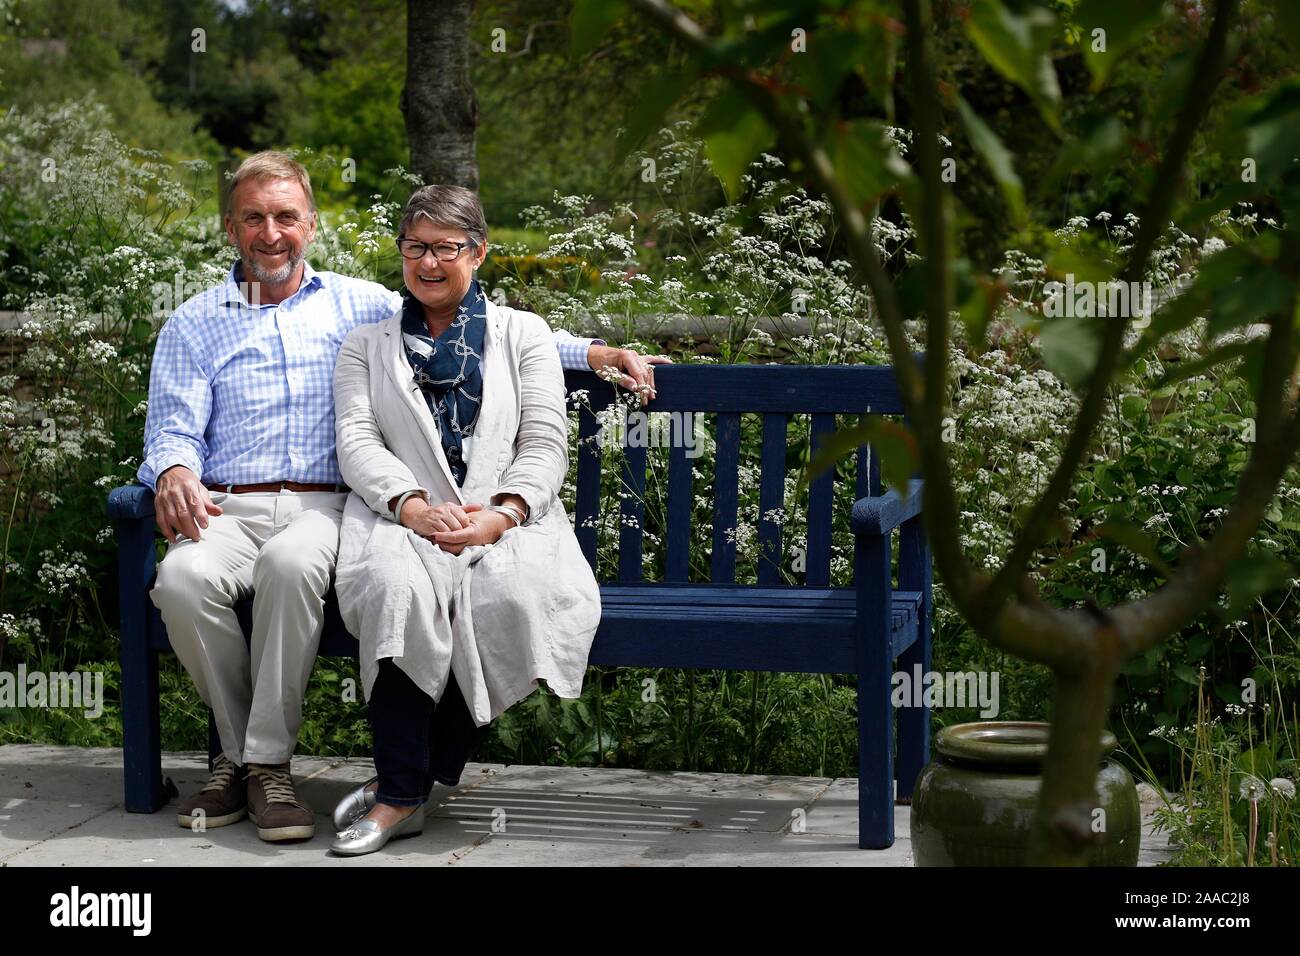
957,573
1208,70
1145,623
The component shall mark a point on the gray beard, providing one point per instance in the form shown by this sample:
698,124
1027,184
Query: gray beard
277,277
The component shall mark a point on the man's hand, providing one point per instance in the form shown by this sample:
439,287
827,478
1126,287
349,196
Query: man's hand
485,527
638,374
181,504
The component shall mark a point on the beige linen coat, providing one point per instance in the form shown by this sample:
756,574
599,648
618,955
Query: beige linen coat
499,616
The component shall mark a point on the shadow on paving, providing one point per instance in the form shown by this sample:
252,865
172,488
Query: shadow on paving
62,806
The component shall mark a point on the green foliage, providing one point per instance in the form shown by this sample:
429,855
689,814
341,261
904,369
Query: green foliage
1235,800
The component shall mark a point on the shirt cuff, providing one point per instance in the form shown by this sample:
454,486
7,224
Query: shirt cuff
573,352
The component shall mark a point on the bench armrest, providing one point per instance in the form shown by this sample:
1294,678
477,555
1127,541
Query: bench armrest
130,503
883,513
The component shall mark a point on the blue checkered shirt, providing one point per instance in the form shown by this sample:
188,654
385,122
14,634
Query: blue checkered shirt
243,394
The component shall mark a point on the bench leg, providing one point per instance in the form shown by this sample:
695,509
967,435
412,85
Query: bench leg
875,706
913,725
914,722
875,761
141,728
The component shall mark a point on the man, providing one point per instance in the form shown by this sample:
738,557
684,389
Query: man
239,449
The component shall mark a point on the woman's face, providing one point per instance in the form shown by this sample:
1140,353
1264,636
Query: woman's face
440,285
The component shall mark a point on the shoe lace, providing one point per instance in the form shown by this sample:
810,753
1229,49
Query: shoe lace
223,771
276,784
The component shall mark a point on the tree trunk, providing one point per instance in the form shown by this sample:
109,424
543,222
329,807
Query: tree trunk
1065,828
438,99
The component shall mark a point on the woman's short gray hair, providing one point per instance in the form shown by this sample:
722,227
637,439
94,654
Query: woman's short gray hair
453,206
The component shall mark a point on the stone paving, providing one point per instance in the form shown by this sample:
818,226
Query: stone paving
62,806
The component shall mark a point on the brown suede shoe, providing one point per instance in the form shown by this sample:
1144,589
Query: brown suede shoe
275,807
222,801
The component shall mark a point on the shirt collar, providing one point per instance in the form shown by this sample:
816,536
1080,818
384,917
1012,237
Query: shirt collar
232,290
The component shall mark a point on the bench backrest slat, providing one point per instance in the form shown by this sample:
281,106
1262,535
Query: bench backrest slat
821,496
587,501
631,511
771,497
681,499
868,478
726,482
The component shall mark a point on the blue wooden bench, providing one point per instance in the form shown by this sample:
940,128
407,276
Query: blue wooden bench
770,626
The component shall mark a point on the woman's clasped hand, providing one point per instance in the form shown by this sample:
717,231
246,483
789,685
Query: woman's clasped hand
454,527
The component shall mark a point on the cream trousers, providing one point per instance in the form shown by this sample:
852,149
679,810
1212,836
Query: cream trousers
280,547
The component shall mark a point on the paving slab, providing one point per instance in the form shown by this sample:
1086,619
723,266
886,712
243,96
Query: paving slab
62,806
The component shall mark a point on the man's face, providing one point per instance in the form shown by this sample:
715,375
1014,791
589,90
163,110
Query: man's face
271,223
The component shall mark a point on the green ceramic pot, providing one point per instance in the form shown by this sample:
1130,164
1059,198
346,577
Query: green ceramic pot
975,803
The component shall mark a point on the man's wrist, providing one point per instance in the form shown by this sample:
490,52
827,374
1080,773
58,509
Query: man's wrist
598,354
172,470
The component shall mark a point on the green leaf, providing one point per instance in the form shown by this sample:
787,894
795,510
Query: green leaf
591,20
1018,46
1123,22
734,133
1082,264
1259,761
997,157
657,98
1071,347
1142,666
1099,145
1185,370
895,445
1259,292
865,160
1133,406
832,54
1251,576
978,308
1273,132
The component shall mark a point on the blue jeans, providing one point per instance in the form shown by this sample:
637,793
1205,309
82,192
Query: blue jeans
419,742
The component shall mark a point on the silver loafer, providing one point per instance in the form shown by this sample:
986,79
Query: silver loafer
367,836
355,805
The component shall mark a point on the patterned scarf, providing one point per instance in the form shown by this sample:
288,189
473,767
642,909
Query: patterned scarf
447,368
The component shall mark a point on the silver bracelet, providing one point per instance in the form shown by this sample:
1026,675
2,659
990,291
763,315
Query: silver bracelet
397,509
510,510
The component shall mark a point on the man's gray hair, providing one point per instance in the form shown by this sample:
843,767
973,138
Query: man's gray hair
453,206
270,164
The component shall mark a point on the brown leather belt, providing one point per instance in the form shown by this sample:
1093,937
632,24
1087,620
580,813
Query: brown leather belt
274,486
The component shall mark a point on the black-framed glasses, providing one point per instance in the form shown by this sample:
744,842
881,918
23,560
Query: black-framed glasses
443,251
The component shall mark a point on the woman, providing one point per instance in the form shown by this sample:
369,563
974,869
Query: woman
458,569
